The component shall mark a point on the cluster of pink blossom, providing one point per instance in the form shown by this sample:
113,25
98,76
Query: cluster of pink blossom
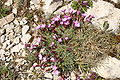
43,63
69,19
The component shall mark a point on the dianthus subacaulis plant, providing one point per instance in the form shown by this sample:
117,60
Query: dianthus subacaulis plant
69,41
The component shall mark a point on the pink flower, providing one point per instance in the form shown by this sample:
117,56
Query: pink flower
76,23
39,39
66,38
32,47
53,22
67,17
55,72
64,19
84,15
60,40
49,25
85,3
40,26
60,78
44,59
53,59
63,10
40,57
54,67
43,25
52,44
77,0
61,22
89,18
27,45
71,11
66,23
78,12
34,65
56,18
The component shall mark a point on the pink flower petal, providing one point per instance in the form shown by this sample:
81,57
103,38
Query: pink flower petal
54,67
60,40
44,59
40,57
56,72
53,59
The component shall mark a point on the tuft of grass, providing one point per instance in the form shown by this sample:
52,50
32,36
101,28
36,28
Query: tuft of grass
6,73
78,5
4,12
29,16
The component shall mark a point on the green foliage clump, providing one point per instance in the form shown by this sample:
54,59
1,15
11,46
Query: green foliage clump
78,5
6,73
71,43
29,16
4,12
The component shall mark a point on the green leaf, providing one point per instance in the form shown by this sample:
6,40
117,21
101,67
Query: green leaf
106,25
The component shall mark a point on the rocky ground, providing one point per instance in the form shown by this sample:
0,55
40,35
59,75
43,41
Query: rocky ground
16,30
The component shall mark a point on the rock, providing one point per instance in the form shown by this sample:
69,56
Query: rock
48,75
23,21
1,45
2,52
25,29
37,6
11,36
56,77
26,38
11,24
6,19
6,64
35,18
8,3
17,48
51,5
35,2
8,54
67,0
14,11
73,77
32,7
18,30
20,61
24,53
108,68
2,31
8,28
116,1
9,46
2,38
16,40
8,42
104,11
16,22
68,6
8,58
4,45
